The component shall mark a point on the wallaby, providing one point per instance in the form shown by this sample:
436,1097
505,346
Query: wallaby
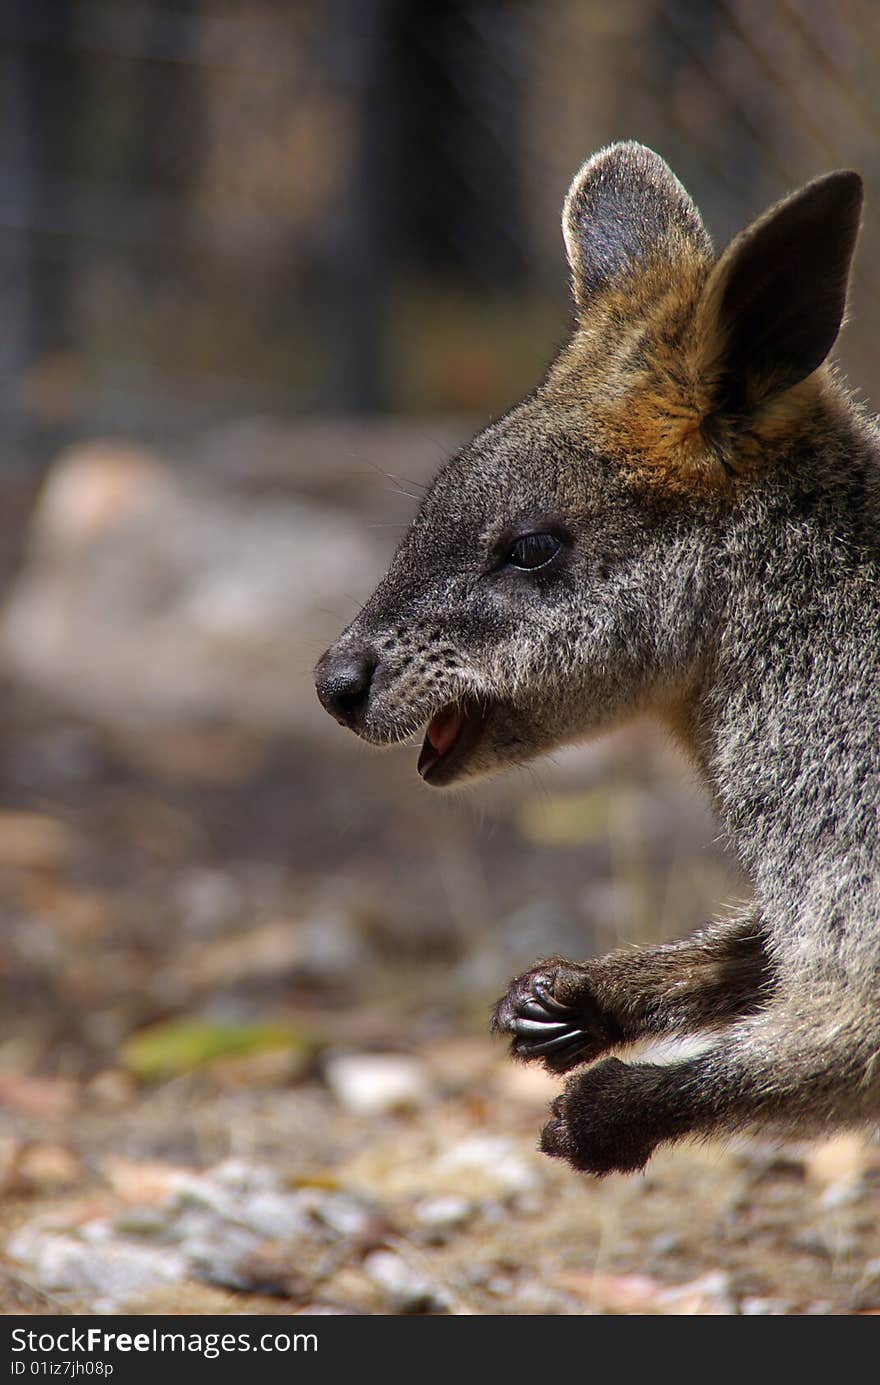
683,518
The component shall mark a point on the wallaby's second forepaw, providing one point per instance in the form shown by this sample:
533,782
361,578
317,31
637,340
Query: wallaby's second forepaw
553,1018
605,1120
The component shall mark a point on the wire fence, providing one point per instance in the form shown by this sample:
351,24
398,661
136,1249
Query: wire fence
210,210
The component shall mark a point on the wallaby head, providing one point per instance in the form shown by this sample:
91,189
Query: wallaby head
563,571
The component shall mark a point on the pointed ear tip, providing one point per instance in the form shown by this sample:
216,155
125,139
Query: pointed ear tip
628,148
848,180
830,205
625,153
844,186
850,177
628,152
632,161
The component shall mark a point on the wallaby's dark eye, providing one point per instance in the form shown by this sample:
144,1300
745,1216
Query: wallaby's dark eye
533,551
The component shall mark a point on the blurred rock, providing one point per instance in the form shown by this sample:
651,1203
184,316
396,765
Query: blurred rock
373,1082
444,1213
406,1290
489,1164
146,597
93,1266
236,1226
249,1196
346,1215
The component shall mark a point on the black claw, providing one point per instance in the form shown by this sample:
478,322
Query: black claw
557,1044
535,1010
549,1002
538,1027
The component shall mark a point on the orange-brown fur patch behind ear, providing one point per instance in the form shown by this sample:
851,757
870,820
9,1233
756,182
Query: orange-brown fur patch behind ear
636,367
629,367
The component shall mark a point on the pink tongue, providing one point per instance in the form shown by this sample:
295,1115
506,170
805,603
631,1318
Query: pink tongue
444,728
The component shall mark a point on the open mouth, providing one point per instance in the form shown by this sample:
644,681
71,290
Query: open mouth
452,736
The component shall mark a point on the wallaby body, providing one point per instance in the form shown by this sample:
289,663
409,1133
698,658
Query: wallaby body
684,518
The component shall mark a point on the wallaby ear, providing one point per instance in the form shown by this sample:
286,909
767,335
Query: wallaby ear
624,209
772,306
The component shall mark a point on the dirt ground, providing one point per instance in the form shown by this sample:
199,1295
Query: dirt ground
245,1069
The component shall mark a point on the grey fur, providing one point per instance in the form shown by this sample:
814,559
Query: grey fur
725,577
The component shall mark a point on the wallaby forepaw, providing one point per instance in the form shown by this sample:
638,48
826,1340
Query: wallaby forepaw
553,1018
596,1123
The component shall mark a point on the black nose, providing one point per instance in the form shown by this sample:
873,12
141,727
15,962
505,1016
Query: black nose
343,684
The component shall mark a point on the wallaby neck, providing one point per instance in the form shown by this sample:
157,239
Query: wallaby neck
787,721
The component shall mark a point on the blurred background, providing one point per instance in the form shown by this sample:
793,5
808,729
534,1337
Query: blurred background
264,264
